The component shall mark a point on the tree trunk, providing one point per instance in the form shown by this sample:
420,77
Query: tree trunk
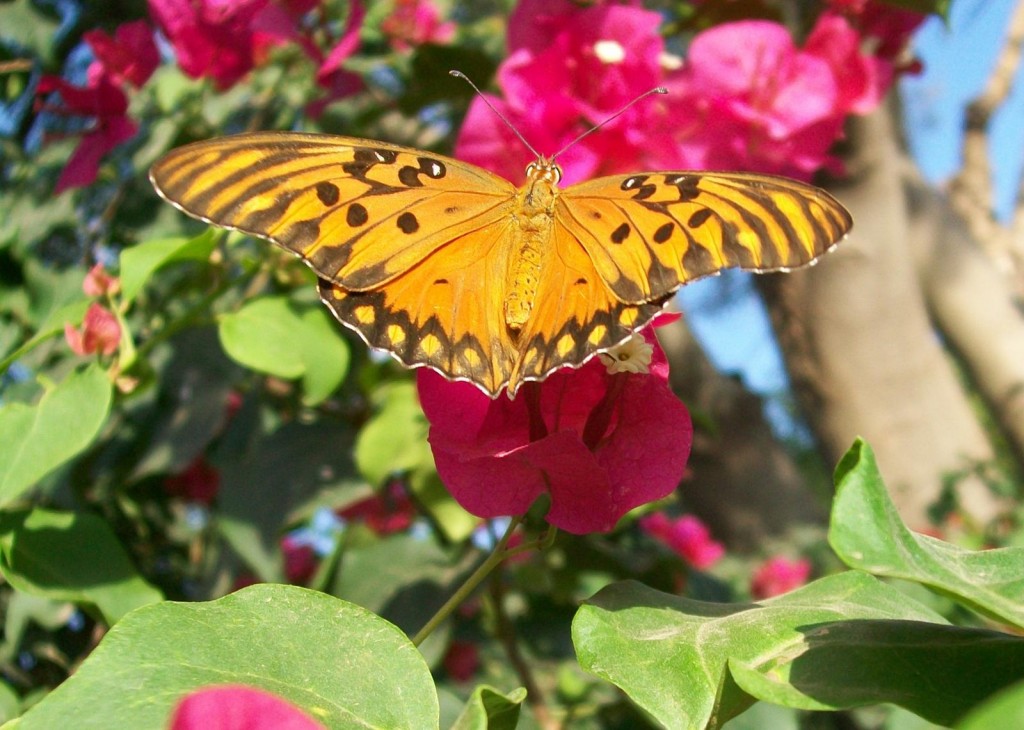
975,306
863,356
745,485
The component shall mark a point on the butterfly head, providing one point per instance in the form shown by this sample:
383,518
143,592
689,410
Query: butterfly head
544,170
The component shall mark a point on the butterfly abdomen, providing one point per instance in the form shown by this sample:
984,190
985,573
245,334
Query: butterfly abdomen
534,219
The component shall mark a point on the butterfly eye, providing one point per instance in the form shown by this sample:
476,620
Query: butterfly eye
544,170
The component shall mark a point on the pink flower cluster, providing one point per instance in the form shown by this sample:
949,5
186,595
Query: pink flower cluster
686,536
596,443
100,331
126,59
779,575
747,97
222,41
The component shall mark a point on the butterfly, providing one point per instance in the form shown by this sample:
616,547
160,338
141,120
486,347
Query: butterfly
448,266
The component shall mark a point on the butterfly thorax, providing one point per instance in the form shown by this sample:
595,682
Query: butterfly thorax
533,220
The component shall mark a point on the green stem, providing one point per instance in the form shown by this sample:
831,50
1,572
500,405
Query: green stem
493,561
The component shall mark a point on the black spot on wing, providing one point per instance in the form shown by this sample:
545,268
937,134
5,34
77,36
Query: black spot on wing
356,215
407,223
664,232
428,166
621,233
328,193
687,185
699,218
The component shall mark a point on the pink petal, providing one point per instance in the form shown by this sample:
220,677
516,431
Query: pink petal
238,708
83,165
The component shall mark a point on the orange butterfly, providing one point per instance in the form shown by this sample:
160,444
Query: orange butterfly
448,266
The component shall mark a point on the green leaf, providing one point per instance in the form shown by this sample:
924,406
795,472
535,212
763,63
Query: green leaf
246,540
394,440
325,354
72,557
938,672
140,262
489,709
338,663
669,653
1005,709
35,440
70,313
33,30
270,336
401,576
10,705
868,534
455,522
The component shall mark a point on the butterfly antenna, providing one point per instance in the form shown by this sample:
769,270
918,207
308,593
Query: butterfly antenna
460,75
620,112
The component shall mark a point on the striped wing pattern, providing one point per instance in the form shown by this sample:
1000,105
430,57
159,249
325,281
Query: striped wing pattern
413,250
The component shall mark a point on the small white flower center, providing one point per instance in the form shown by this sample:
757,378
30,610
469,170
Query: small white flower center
632,356
670,61
609,52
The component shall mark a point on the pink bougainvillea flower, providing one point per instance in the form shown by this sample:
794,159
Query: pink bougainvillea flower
337,81
198,482
766,105
598,444
105,105
861,80
236,707
386,513
415,22
779,575
594,60
216,38
300,560
98,283
100,332
534,24
687,536
130,56
887,29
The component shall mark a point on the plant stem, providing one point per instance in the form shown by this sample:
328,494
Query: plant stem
507,636
493,561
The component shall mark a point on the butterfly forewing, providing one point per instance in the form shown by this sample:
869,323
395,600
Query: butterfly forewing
421,253
650,233
360,212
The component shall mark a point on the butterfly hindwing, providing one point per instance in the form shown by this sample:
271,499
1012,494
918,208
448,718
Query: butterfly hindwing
445,312
360,212
575,314
650,233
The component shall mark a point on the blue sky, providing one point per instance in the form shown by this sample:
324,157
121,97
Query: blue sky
958,60
725,313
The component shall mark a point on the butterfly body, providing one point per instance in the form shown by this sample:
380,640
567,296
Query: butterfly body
533,222
448,266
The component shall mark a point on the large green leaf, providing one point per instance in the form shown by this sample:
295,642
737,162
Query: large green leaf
71,557
269,335
35,440
670,654
140,262
868,534
937,672
1005,709
337,662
